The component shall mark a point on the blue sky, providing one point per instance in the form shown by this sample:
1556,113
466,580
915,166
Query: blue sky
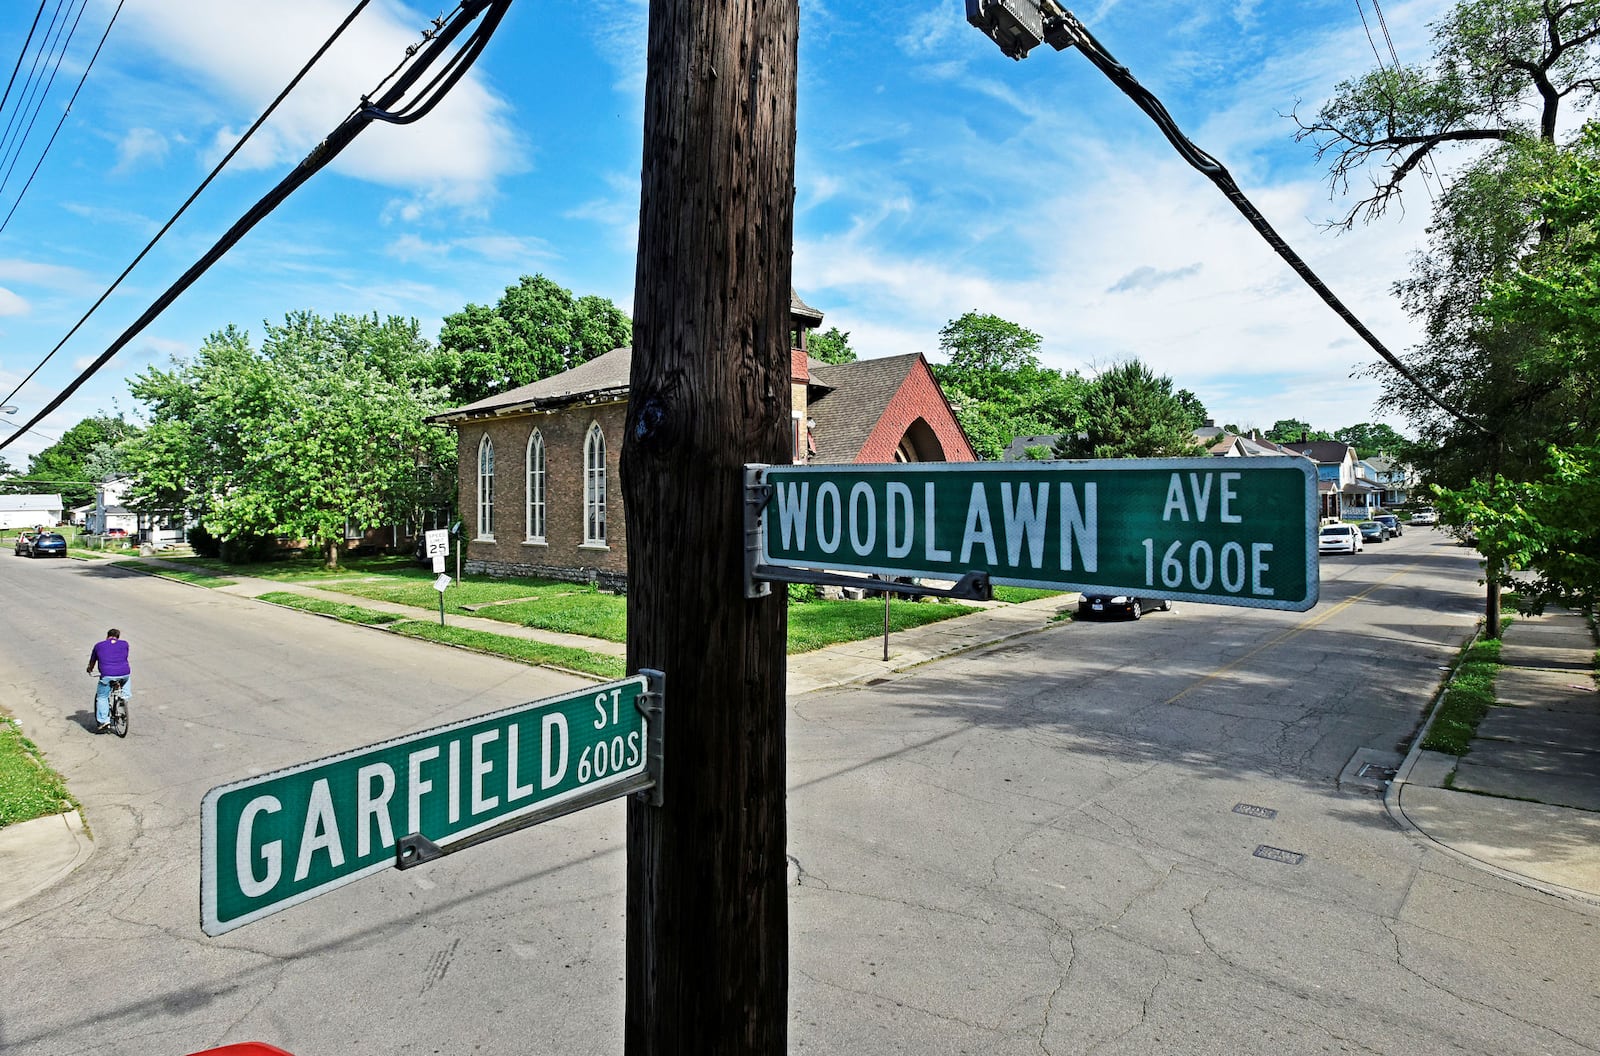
934,176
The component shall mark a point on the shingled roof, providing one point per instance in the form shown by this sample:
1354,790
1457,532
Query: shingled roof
859,395
601,378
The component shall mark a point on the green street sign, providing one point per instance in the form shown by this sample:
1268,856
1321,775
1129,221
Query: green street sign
269,842
1226,531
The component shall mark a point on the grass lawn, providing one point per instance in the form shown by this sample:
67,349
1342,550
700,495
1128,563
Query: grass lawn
28,787
182,575
574,608
1014,595
1467,699
814,624
539,653
309,569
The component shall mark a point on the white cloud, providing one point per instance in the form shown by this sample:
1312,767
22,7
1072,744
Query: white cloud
244,54
11,304
139,145
32,272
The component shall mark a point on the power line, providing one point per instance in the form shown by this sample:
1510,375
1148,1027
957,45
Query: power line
446,30
1064,31
238,146
64,114
36,95
1394,56
23,53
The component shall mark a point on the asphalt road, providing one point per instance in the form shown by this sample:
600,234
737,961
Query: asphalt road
1031,850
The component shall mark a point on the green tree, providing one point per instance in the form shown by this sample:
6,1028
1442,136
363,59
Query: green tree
64,466
1499,75
998,387
319,427
1192,407
6,469
1130,412
1500,72
1294,431
535,330
831,347
1375,438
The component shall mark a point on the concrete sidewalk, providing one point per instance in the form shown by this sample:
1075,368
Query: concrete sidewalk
1524,801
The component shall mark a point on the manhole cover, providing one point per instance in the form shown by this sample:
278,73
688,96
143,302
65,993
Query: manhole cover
1377,771
1253,811
1278,854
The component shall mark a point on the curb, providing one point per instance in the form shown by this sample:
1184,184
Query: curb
1397,814
16,841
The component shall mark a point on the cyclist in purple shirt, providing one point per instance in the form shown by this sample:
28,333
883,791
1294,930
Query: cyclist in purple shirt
112,657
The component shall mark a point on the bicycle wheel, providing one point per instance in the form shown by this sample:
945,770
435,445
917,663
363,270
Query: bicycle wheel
119,715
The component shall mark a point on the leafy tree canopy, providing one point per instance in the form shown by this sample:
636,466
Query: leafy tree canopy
1130,412
1294,431
69,465
320,426
998,387
1375,438
1500,72
536,329
831,347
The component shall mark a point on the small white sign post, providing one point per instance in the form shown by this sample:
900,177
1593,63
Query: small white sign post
441,584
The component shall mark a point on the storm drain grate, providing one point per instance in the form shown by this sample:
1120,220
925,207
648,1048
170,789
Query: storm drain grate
1253,811
1377,771
876,681
1278,854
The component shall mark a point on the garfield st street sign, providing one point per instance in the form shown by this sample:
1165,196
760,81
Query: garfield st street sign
1226,531
269,842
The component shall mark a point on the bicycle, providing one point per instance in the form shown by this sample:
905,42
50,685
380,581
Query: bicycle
118,709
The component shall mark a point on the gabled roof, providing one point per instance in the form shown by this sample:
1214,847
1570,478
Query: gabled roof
859,394
601,378
1326,452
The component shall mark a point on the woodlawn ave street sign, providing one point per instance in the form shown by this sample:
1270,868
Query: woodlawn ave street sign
269,842
1228,531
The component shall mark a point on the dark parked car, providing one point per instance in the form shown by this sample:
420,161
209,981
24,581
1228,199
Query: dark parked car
1373,532
46,544
1120,604
1391,522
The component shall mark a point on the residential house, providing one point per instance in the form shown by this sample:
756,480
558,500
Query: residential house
30,511
1343,487
111,514
1397,479
538,463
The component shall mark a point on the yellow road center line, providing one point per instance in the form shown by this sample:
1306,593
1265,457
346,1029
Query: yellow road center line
1306,625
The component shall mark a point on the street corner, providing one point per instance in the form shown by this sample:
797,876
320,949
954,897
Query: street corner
34,855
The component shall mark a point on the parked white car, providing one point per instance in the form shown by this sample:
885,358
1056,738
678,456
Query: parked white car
1339,539
1424,515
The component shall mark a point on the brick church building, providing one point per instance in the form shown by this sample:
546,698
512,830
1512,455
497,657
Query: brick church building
538,464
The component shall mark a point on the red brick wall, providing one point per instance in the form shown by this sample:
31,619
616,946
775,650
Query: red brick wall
919,397
562,555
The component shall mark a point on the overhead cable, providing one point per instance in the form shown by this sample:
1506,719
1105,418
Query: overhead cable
51,141
4,98
212,175
1064,30
386,107
36,97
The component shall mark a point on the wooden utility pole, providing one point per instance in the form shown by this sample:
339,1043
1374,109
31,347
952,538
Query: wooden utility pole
707,926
